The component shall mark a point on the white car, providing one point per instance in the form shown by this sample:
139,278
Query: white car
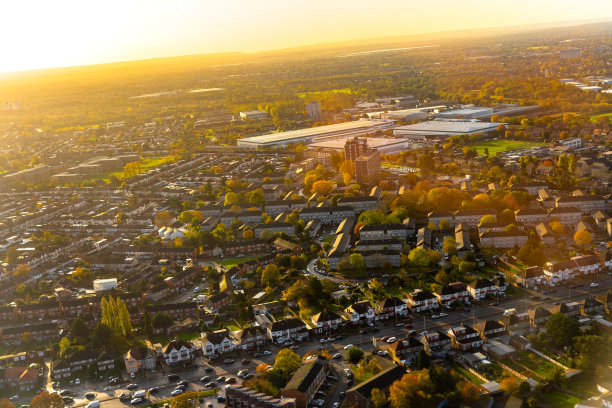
267,352
136,401
442,314
348,346
382,353
176,392
594,284
391,339
323,341
337,355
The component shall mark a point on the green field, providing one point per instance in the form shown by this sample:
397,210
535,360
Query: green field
145,165
595,118
497,146
560,399
229,263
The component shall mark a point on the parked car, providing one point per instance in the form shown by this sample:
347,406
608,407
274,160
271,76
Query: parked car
408,326
348,346
210,385
435,316
230,380
228,361
90,395
382,353
337,356
183,382
267,352
125,396
137,401
210,370
220,398
173,377
68,400
132,386
205,379
153,390
176,392
442,314
594,284
391,339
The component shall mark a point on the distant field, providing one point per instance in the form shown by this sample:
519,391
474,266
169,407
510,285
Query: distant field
497,146
145,164
595,118
229,263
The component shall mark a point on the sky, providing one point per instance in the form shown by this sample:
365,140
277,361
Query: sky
43,33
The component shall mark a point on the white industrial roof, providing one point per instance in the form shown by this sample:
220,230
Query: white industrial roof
316,131
450,127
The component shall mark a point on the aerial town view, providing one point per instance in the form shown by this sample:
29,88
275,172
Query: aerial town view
330,204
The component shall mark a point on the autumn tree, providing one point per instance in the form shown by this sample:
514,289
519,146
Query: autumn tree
46,399
186,400
449,246
287,361
22,270
509,385
487,219
163,219
270,276
6,403
418,257
354,355
378,398
412,390
583,238
248,234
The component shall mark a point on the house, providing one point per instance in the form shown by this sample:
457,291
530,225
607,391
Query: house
606,301
538,317
283,245
326,321
106,360
360,312
75,307
274,228
390,307
471,217
327,215
75,362
423,239
217,342
590,305
503,239
178,311
218,301
530,277
244,246
238,396
436,343
531,216
386,231
464,337
586,203
559,271
252,338
481,287
139,358
437,215
451,293
40,311
516,323
283,330
273,208
489,329
532,188
360,395
520,343
586,264
360,203
178,352
306,381
8,313
391,244
312,227
567,216
39,331
546,235
19,378
421,300
405,350
567,309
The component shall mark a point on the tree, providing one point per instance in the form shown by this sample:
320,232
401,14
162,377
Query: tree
562,329
591,348
12,255
231,198
449,246
470,392
163,219
487,219
287,361
248,234
124,318
47,400
348,167
412,390
444,225
423,359
506,216
524,388
186,400
162,321
270,276
557,227
418,257
378,398
100,335
356,261
79,328
323,187
556,376
354,355
583,238
509,385
64,346
121,218
22,270
6,403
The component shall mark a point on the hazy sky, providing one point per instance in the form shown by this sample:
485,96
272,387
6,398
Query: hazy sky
48,33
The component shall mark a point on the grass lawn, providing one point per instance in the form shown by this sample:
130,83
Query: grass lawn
188,336
465,373
538,365
498,146
233,327
559,399
229,263
595,118
145,164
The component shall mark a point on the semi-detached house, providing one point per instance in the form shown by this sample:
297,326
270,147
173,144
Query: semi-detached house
283,330
360,312
420,301
218,342
464,338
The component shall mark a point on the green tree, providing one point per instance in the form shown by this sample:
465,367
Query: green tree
423,359
65,347
287,361
124,318
100,335
148,325
556,375
487,219
449,246
591,349
354,355
444,225
356,260
270,276
186,400
562,329
162,321
79,329
12,255
418,257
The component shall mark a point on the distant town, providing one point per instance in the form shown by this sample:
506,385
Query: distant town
387,250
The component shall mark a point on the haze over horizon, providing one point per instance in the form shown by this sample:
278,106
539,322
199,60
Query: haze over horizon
70,32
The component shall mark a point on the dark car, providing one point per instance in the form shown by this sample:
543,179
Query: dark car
221,379
126,396
220,398
205,379
173,377
183,382
68,400
210,370
230,380
245,361
153,390
90,395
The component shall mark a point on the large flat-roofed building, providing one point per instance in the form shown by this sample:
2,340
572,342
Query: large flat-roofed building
442,129
306,136
382,144
466,113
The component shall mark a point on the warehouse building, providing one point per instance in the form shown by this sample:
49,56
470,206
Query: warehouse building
442,129
307,136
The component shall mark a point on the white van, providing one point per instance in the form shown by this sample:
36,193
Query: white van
94,404
509,312
140,394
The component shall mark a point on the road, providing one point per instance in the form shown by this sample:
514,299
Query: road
108,395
